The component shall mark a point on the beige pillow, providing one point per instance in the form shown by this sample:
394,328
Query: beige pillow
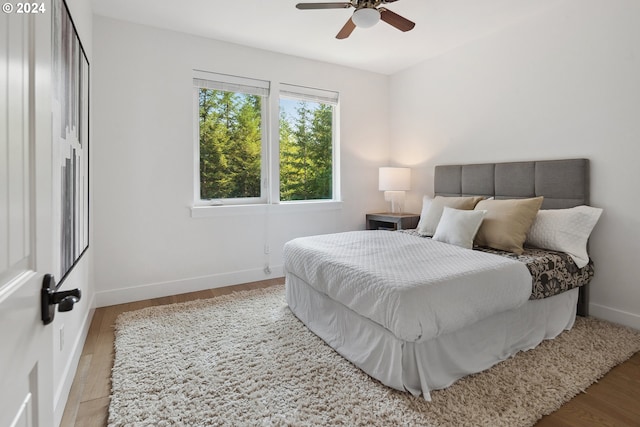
506,223
430,223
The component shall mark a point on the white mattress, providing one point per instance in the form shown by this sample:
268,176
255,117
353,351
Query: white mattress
420,367
416,288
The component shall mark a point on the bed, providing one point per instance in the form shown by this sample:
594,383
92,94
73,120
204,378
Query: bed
418,314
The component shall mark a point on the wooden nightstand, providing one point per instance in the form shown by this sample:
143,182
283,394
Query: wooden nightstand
392,221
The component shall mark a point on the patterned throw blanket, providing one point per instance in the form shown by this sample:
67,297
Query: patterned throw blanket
552,272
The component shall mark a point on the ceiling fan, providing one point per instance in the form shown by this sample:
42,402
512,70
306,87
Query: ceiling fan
366,15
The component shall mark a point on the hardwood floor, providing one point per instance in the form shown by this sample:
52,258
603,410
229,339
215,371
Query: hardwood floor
612,401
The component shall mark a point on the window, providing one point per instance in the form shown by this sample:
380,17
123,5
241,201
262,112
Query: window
234,144
231,138
306,143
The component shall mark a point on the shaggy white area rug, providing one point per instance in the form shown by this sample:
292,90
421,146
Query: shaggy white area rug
245,359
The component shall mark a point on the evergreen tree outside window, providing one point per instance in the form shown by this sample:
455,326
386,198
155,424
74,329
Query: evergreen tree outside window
306,150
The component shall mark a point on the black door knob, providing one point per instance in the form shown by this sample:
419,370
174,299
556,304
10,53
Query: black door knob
67,303
50,298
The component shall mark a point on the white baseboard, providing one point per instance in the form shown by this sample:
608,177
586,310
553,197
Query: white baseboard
175,287
631,320
62,393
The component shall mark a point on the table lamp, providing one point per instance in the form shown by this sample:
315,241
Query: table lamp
394,182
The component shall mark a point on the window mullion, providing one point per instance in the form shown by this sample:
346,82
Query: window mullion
335,153
274,147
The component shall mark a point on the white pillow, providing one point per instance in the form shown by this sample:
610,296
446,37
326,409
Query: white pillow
426,202
428,226
458,227
565,230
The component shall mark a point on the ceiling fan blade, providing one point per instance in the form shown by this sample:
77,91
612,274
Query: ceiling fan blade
395,20
306,6
346,30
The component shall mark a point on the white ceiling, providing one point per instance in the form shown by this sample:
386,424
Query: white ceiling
277,25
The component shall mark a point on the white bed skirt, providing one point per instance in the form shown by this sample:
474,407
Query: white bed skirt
419,367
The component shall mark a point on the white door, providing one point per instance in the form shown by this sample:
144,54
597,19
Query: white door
26,345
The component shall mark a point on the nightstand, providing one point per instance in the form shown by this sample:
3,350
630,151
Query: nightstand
392,221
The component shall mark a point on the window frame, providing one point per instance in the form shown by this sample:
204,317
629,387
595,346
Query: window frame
225,82
304,93
270,149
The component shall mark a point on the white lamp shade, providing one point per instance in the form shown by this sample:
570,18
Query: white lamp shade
394,179
365,17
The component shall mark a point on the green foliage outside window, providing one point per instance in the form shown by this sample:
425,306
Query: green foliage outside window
305,152
231,144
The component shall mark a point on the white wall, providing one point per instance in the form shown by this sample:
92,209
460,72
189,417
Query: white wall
562,84
146,243
75,324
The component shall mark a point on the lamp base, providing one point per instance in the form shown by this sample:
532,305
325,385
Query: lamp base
397,200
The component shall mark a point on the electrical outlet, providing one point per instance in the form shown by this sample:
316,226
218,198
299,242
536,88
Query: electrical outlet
267,269
61,337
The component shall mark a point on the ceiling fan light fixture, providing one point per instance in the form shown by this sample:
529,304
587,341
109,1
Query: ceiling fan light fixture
366,17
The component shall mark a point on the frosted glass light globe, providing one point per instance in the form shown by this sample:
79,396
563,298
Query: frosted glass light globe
365,17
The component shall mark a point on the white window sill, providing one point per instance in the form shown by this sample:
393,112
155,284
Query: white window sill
260,209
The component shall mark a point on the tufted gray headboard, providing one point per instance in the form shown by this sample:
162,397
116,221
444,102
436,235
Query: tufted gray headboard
563,183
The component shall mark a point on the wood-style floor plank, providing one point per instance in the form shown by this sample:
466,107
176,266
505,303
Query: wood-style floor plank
92,413
77,390
588,410
613,401
94,331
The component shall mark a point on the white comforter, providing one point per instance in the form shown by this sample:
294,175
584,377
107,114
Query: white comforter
415,287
